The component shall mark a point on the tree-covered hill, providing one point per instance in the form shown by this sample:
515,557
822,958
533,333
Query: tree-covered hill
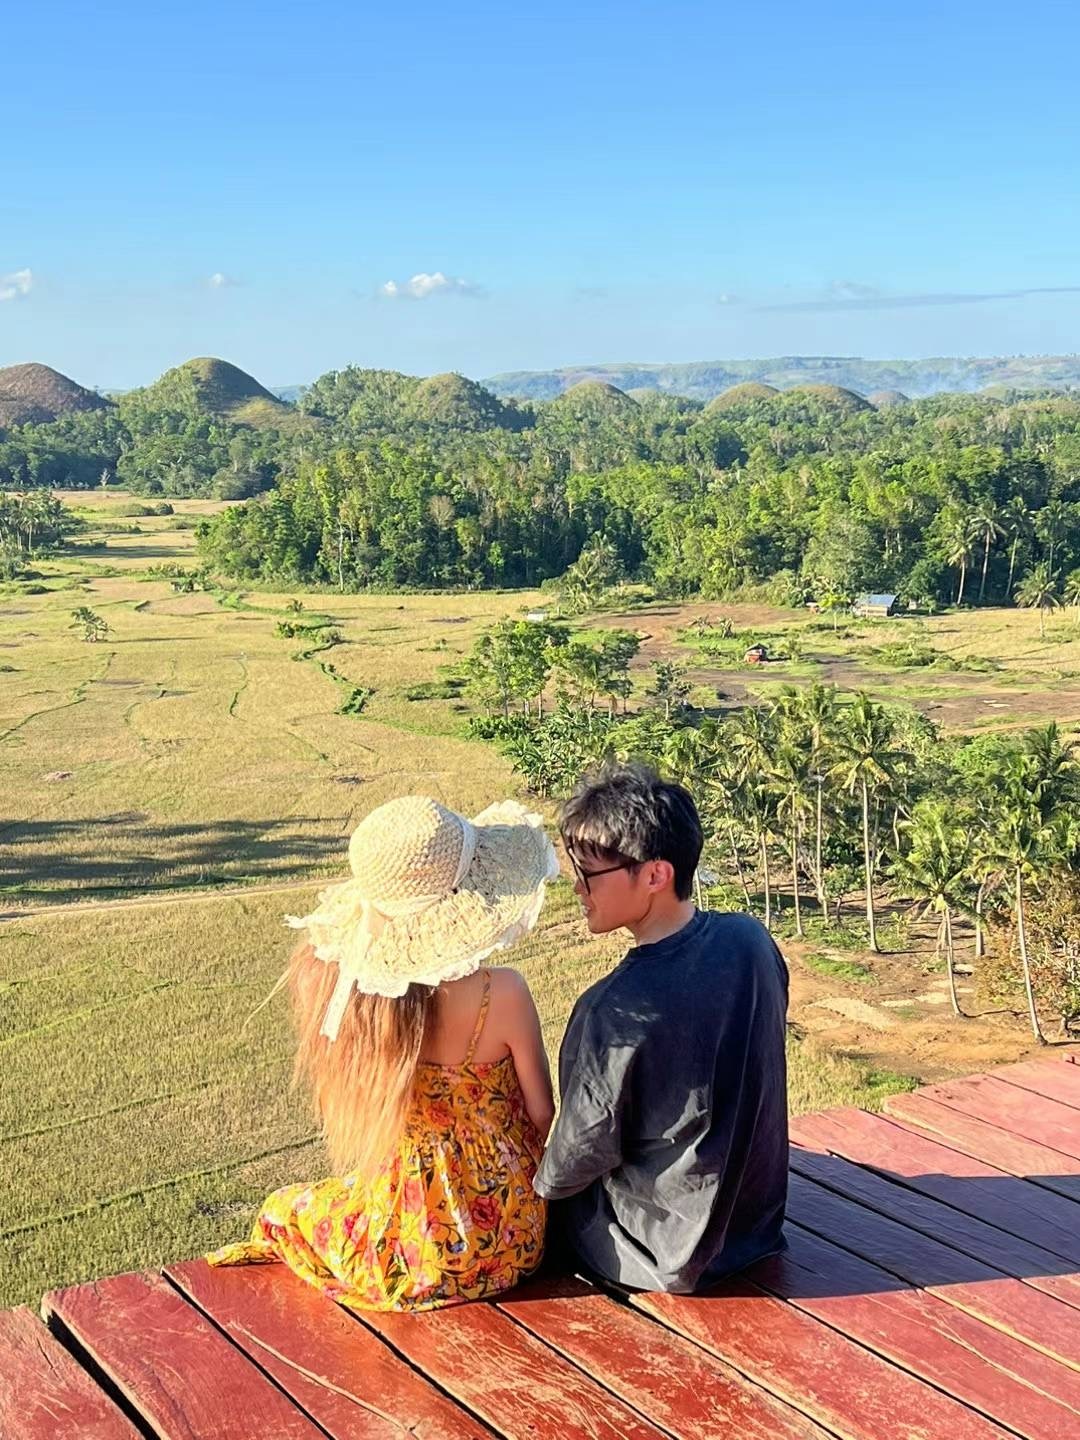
377,478
213,388
706,379
37,394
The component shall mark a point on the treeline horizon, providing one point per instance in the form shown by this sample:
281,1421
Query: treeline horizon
377,479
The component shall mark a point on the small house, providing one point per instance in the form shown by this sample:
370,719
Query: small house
756,655
867,607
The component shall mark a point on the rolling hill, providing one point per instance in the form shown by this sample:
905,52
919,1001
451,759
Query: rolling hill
707,379
215,387
37,394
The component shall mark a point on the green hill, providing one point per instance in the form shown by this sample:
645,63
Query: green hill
36,394
592,398
456,403
835,397
214,387
751,392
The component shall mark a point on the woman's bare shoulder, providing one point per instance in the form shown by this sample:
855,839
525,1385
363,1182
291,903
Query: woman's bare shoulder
509,987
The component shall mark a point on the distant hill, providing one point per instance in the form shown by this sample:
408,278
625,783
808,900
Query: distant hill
707,379
37,394
214,387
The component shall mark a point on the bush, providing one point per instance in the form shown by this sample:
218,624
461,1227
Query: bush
435,690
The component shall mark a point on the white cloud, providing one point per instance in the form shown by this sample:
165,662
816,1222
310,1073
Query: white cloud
221,281
421,286
17,284
727,299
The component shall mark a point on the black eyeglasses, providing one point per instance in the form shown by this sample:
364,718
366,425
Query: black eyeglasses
586,875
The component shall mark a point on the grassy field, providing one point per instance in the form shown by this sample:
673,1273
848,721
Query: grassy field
148,1111
159,783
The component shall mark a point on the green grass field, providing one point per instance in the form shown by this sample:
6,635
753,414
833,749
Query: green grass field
183,766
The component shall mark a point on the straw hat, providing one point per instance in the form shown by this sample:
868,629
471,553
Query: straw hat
430,897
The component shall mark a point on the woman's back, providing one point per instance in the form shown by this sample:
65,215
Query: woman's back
451,1215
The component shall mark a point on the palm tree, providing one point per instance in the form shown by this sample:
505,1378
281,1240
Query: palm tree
793,773
1038,590
935,871
1017,522
1072,589
986,525
753,740
867,766
720,770
818,709
1037,796
959,546
1051,523
1025,845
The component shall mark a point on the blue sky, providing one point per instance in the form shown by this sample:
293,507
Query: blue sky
297,187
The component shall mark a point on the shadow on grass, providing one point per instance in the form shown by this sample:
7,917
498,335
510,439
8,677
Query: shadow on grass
67,860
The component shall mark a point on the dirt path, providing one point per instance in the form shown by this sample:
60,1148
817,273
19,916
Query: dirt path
173,897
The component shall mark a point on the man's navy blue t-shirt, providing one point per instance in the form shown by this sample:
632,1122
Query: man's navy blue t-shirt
670,1150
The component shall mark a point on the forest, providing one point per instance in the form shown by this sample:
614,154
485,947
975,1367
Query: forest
379,480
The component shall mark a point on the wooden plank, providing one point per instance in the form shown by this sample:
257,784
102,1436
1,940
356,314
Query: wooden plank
1008,1253
1040,1320
337,1370
926,1165
505,1375
692,1395
996,1374
1049,1168
179,1372
854,1393
1046,1122
45,1394
1045,1077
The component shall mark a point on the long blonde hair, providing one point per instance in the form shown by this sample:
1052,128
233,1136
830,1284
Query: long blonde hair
362,1082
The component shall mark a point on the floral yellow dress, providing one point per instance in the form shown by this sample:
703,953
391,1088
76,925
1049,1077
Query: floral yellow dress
451,1217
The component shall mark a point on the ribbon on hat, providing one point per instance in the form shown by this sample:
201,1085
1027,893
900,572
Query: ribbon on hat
347,923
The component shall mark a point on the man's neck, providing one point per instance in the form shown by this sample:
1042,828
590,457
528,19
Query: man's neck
658,925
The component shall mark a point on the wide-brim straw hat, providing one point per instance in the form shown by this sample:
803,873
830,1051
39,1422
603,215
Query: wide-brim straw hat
430,897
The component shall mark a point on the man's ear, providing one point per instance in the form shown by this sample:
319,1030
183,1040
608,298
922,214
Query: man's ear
661,874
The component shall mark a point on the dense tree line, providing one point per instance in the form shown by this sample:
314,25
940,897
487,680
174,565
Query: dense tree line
385,479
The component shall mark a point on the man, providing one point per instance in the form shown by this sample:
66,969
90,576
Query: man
669,1154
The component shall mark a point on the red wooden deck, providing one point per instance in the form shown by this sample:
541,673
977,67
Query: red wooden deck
931,1292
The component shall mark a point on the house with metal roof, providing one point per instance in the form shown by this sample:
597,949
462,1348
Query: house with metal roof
867,606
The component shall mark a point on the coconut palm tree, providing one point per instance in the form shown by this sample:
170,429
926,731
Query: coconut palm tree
793,777
1016,520
1051,523
1038,590
987,526
867,766
1026,846
959,546
1035,824
935,871
1071,594
753,742
819,710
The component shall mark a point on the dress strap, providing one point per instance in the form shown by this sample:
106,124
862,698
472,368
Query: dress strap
485,1000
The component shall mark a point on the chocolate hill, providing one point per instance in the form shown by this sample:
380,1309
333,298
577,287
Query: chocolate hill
37,394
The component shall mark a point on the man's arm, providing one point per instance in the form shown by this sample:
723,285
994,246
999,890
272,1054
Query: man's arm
586,1142
583,1146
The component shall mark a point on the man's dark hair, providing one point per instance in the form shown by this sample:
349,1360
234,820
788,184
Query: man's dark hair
626,812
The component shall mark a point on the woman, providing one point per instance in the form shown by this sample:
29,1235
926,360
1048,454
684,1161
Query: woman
428,1070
